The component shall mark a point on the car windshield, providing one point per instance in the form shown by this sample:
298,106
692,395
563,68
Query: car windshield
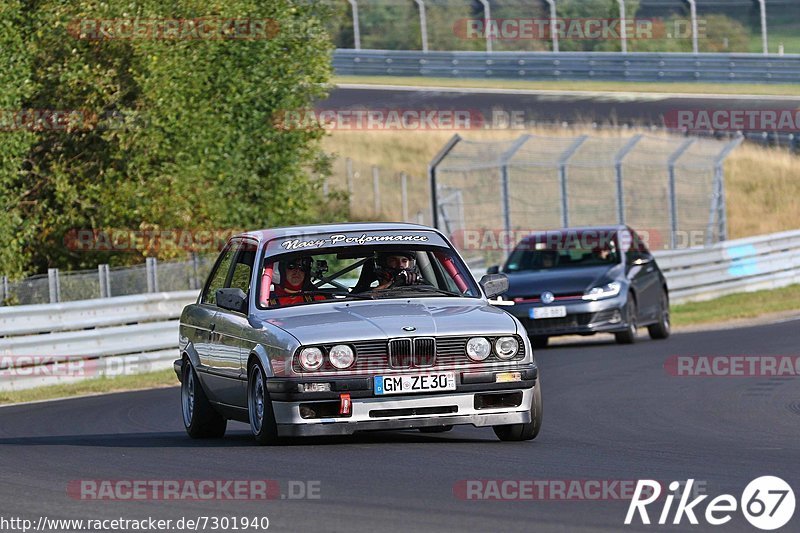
544,257
365,273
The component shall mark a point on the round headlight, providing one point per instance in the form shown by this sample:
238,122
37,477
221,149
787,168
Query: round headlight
311,358
341,356
506,347
478,348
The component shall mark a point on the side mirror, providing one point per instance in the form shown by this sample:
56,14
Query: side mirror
494,284
494,269
643,259
232,299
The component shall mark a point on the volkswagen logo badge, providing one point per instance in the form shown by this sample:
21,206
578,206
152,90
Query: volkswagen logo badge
547,297
409,328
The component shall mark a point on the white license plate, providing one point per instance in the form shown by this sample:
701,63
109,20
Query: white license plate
407,383
557,311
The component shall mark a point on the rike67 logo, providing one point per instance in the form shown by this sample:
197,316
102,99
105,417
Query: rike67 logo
767,503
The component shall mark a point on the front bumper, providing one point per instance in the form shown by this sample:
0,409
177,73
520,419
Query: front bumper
475,401
583,317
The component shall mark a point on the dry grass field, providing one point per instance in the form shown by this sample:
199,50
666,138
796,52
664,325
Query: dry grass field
762,184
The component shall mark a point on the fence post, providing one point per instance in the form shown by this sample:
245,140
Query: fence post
553,24
562,175
623,31
195,271
54,285
693,11
718,207
3,290
487,16
618,159
764,35
151,268
423,24
673,201
404,195
348,168
105,282
432,167
376,189
356,28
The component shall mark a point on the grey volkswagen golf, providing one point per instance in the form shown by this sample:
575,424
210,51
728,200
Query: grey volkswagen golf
333,329
582,281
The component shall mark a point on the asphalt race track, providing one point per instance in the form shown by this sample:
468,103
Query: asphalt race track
635,109
611,413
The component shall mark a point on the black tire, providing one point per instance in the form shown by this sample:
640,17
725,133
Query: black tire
662,328
436,429
528,431
259,407
539,341
200,418
629,335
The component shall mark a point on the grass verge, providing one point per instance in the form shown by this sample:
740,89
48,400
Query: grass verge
150,380
611,86
737,306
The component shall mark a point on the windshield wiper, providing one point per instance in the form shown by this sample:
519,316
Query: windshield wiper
424,288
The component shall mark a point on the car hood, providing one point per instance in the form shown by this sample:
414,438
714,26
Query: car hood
560,281
382,319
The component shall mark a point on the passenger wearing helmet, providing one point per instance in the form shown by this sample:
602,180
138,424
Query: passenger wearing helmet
396,269
295,278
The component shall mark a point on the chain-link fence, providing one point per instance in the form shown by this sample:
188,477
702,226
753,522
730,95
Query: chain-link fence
105,282
378,193
733,26
489,194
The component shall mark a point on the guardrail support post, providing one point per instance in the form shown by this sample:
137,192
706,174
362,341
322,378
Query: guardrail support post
54,285
151,268
423,24
356,28
3,290
105,282
376,189
673,201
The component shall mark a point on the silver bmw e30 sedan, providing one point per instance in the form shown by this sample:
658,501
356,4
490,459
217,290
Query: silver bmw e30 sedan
334,329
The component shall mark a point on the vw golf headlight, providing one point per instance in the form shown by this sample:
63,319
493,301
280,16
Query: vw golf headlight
341,356
311,358
606,291
506,347
478,348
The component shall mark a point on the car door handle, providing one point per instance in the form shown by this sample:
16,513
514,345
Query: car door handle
213,326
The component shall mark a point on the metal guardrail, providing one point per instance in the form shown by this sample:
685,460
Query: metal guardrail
133,334
611,66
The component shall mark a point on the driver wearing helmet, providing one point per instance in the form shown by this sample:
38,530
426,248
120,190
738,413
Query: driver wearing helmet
396,269
295,279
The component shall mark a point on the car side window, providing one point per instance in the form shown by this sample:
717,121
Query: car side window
243,267
218,275
637,250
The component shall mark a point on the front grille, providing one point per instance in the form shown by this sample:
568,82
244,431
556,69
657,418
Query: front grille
567,323
374,356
